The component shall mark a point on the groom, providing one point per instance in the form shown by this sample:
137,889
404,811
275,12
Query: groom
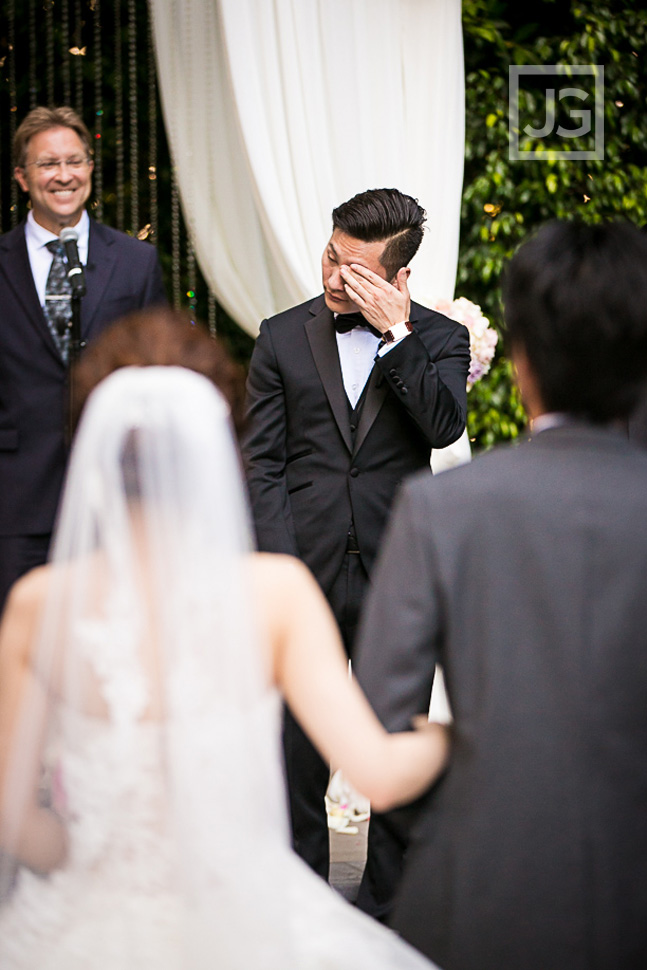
348,393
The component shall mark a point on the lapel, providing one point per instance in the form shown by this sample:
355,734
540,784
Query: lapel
102,256
14,261
375,393
321,336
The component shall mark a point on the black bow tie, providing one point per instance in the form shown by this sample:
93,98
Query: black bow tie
345,322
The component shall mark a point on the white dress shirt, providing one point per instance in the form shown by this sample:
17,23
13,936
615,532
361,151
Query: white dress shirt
357,350
40,258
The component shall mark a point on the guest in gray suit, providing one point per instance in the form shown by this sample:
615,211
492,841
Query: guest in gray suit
524,575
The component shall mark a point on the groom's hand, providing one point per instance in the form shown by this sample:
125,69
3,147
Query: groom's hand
382,303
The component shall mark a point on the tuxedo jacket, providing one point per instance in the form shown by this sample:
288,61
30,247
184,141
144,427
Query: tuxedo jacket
122,274
524,575
309,473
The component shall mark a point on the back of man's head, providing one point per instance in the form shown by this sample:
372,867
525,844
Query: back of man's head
384,214
575,299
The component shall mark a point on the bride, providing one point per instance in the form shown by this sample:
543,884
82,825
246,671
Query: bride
141,792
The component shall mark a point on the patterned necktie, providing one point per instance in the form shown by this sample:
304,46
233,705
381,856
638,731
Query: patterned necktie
58,299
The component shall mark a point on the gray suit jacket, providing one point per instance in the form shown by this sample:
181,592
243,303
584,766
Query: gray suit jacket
525,575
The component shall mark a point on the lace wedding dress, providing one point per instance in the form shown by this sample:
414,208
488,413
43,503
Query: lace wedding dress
120,891
161,748
124,890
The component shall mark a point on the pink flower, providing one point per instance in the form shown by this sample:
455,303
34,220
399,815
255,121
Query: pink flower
483,337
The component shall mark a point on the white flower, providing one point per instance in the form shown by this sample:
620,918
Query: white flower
483,337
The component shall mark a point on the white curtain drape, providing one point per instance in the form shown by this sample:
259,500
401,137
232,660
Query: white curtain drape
279,110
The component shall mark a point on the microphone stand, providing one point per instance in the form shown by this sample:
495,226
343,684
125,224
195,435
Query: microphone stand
76,278
75,348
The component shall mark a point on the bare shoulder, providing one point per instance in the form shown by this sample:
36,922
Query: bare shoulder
281,583
28,591
22,611
277,569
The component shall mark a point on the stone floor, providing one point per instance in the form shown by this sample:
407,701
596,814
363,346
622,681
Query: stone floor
347,858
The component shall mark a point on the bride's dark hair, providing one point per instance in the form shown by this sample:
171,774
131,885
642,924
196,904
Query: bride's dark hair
153,337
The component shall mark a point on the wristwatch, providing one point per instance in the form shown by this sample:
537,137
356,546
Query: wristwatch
396,332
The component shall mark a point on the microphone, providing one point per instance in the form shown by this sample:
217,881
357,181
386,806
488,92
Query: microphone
75,273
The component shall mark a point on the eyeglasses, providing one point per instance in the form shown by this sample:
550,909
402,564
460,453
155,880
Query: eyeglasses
51,165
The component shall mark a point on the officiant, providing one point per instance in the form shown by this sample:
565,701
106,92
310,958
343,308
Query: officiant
53,165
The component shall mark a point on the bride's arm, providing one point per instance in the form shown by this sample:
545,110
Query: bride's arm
311,669
32,834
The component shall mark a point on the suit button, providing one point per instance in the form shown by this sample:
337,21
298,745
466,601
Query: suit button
353,428
393,372
354,472
404,390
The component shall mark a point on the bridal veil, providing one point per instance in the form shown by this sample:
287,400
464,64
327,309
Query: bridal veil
149,724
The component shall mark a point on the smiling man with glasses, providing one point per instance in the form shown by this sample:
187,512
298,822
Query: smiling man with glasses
53,165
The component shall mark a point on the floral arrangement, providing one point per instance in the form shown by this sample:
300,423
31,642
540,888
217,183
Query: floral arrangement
483,337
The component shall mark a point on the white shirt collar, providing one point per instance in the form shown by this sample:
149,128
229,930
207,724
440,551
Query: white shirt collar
37,236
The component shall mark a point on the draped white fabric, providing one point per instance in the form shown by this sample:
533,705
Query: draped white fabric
278,110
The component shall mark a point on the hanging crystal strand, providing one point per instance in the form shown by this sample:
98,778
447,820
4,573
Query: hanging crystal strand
152,137
33,83
132,100
65,50
9,54
97,174
175,239
78,60
191,277
212,317
13,107
49,51
188,212
119,118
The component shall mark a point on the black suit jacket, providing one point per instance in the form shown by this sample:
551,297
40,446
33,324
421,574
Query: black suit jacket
307,480
122,274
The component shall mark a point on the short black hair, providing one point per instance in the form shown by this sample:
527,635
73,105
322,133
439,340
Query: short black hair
384,214
575,299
